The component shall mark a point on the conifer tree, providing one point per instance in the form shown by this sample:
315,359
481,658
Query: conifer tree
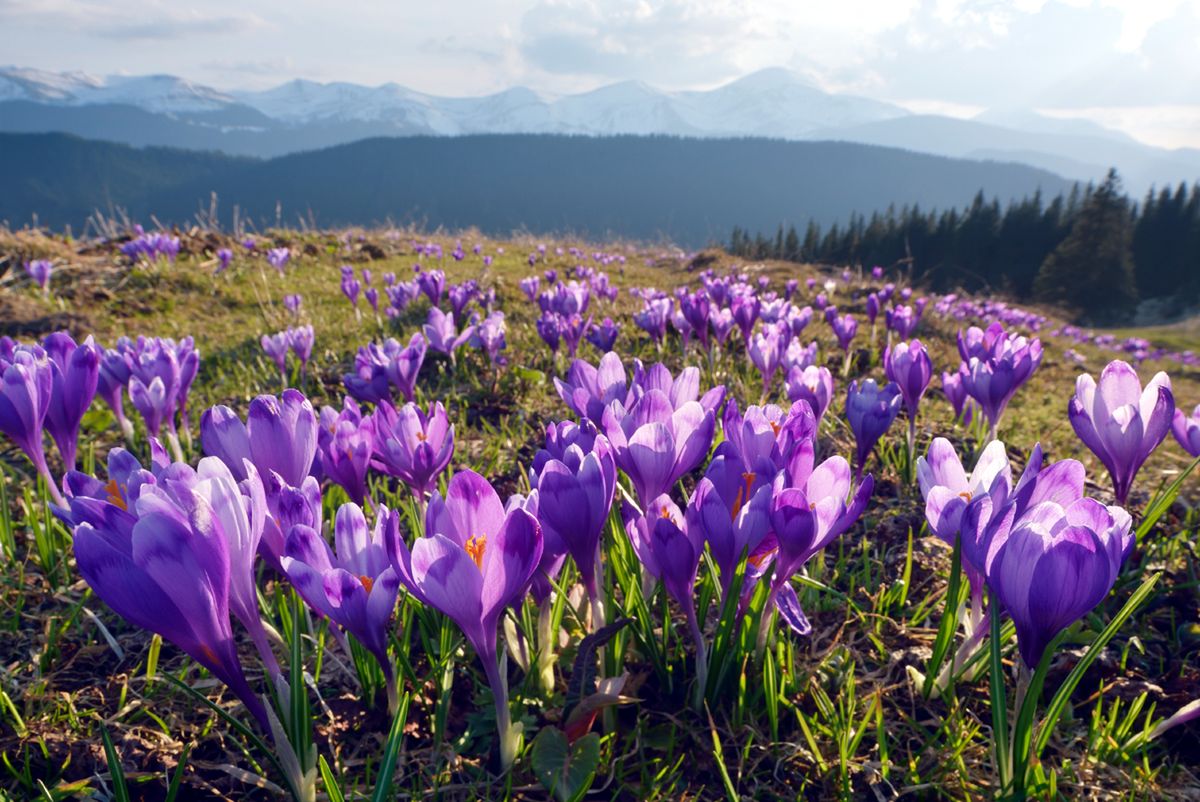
1091,270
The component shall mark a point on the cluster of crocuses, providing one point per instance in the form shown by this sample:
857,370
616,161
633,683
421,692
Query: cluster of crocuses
297,339
1048,553
564,306
47,388
150,247
761,498
157,373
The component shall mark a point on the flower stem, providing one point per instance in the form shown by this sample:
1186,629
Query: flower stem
701,655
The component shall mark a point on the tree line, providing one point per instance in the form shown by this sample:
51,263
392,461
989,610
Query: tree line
1092,249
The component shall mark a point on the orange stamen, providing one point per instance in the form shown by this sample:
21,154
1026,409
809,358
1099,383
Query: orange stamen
743,495
421,436
775,428
965,495
115,496
475,548
367,582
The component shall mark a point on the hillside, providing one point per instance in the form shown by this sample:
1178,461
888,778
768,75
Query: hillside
690,191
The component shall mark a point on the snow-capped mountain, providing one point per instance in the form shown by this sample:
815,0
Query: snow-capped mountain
773,103
163,94
769,103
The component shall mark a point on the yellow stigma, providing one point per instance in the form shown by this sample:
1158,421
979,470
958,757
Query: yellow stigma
367,582
115,496
475,547
965,495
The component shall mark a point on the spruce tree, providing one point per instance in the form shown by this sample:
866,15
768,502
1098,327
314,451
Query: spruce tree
1091,271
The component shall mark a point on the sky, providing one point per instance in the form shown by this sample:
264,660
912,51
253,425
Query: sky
1133,65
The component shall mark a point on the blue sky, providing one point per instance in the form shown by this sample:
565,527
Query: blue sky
1130,64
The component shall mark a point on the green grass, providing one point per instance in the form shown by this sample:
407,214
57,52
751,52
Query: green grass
834,715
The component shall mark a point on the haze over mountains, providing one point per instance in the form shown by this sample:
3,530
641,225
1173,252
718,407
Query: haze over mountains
775,103
650,188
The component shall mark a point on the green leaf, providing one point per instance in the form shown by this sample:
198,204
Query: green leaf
1059,703
383,787
120,791
566,770
945,633
177,777
1163,501
331,784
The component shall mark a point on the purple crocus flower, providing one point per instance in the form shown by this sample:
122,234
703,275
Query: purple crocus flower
489,335
575,492
28,384
177,561
76,372
903,321
603,335
995,366
441,333
909,367
224,259
412,445
809,509
798,318
745,309
844,328
549,328
656,443
115,371
721,321
474,561
378,366
670,550
292,303
278,258
433,284
956,393
372,296
1187,430
276,346
653,318
789,289
278,437
461,295
870,410
948,489
351,288
731,507
155,384
695,308
345,443
1054,564
588,389
529,286
356,586
39,270
813,385
300,340
766,352
572,330
405,366
799,356
872,310
1120,422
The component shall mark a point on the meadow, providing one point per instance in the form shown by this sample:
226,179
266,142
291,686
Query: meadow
383,514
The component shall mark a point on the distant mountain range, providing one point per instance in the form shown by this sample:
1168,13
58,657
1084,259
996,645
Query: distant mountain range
688,191
775,103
